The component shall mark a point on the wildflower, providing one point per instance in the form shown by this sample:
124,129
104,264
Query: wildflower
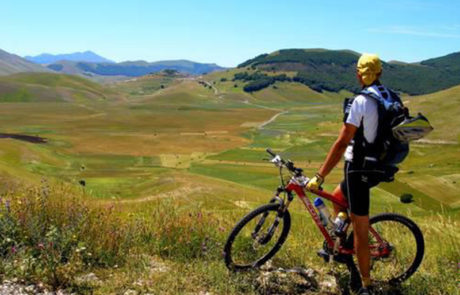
7,206
13,250
221,228
41,246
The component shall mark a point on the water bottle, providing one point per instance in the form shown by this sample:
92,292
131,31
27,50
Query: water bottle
340,223
324,214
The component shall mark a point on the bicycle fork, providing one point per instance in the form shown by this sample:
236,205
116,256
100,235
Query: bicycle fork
264,239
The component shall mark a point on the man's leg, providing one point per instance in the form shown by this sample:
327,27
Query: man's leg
361,241
338,194
356,188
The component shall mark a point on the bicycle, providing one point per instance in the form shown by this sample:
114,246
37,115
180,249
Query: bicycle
396,242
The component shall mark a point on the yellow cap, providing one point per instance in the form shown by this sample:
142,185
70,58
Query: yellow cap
369,66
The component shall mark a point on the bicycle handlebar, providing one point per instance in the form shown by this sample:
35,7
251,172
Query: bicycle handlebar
269,150
289,165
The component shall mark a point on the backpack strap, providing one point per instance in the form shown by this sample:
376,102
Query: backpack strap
387,104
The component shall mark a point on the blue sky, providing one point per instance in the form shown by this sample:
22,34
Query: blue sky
229,32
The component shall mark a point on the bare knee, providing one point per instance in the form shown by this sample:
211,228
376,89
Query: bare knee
338,194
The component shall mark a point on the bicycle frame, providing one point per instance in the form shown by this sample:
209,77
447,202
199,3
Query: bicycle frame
299,189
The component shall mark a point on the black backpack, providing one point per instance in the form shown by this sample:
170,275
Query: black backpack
386,152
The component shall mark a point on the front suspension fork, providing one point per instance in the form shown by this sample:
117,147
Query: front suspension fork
282,208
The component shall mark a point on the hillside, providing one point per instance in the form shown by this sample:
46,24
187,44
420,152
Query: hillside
11,64
140,194
133,68
87,56
443,110
334,70
48,87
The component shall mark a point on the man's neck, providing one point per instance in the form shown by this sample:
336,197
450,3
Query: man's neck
376,83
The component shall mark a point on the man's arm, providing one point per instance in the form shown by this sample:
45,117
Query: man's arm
338,148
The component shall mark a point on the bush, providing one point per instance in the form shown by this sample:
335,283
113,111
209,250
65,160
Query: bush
259,80
406,198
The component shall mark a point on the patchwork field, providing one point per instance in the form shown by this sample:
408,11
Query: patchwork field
200,143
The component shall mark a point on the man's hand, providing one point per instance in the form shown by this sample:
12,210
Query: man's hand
315,183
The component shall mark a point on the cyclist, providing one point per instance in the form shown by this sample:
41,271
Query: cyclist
360,125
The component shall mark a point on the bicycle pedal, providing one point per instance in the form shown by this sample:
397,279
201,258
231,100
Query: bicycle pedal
340,258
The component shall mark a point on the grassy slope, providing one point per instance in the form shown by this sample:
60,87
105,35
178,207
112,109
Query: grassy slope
203,147
46,87
11,63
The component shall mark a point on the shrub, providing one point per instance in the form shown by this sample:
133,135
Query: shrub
406,198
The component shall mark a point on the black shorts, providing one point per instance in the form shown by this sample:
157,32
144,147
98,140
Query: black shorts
356,187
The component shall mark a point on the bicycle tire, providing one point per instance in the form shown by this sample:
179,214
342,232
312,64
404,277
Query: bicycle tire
418,238
286,218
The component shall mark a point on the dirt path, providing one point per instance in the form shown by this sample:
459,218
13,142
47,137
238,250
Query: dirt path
260,106
261,126
214,88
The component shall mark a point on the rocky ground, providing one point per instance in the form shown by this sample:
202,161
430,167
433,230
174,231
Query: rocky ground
13,287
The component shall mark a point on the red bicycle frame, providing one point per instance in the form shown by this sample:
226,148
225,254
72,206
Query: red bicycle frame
378,250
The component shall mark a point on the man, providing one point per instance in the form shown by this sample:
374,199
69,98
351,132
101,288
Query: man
361,126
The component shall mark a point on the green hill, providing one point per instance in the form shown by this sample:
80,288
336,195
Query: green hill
334,70
35,87
443,110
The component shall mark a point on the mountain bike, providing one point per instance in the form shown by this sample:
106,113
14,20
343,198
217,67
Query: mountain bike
396,243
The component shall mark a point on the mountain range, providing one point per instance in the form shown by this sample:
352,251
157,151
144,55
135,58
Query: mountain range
320,69
87,56
90,64
132,68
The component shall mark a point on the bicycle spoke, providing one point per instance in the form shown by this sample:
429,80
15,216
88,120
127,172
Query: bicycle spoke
400,243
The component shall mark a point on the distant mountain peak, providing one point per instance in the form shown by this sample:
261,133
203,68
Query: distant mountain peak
85,56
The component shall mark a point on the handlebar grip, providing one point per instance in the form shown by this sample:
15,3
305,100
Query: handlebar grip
269,150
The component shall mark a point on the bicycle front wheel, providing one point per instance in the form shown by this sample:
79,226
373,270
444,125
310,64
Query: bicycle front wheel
396,245
257,237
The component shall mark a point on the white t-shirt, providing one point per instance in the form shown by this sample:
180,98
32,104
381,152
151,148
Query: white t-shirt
364,110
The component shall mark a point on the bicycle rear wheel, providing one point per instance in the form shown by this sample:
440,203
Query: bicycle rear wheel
397,247
256,237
